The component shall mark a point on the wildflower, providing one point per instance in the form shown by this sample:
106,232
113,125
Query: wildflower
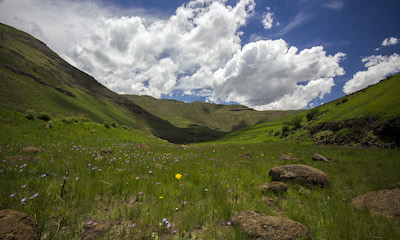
164,220
140,193
43,175
133,225
161,197
184,202
90,222
175,231
169,225
178,176
23,186
160,224
229,223
76,178
23,200
137,178
158,183
206,189
230,190
12,195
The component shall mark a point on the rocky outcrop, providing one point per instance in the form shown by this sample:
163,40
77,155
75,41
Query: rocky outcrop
260,226
18,225
300,173
275,187
383,202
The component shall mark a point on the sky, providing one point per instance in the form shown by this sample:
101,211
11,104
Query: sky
264,54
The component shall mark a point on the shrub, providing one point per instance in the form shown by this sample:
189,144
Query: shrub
114,125
51,124
312,114
296,121
106,124
285,128
44,116
31,114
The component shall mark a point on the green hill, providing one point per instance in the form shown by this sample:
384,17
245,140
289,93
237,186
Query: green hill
224,118
33,77
369,117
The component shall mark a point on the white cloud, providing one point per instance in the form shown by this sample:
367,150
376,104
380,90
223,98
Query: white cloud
390,41
379,67
270,75
268,20
334,5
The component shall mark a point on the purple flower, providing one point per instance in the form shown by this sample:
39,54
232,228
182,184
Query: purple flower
229,223
133,225
168,225
43,175
140,193
160,224
175,231
164,220
230,190
137,178
184,202
12,195
23,200
206,189
88,223
23,186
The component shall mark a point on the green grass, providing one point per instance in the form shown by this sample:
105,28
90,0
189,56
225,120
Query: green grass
114,196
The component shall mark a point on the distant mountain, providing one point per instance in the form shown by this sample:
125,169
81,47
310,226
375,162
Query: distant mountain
225,118
367,118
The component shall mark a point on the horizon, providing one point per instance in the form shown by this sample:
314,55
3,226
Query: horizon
290,55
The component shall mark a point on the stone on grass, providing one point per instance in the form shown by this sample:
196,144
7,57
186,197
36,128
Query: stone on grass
301,174
260,226
284,157
18,225
30,149
245,155
143,146
319,157
275,187
382,202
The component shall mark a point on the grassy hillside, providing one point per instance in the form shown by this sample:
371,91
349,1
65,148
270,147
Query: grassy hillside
369,117
35,78
93,182
223,118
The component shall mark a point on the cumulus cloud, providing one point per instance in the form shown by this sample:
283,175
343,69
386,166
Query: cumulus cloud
271,75
390,41
379,67
196,51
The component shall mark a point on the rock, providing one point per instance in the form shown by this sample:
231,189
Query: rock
18,225
143,146
275,187
304,191
284,157
107,151
270,201
300,173
245,155
318,157
261,226
30,149
383,202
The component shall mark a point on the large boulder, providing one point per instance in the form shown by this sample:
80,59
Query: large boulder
300,173
261,226
275,187
18,225
383,202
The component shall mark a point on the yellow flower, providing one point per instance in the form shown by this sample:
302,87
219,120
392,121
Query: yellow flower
161,197
178,176
213,150
262,154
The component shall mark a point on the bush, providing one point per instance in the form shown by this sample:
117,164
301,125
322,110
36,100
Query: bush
296,121
114,125
312,114
31,114
106,124
70,120
44,116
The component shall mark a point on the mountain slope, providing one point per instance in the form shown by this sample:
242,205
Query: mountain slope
224,118
34,77
369,117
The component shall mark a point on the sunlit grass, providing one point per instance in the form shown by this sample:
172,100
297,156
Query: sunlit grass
132,189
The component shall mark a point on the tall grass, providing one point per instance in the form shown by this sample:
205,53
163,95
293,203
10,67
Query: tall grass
132,189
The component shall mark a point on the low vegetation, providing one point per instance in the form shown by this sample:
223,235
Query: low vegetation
133,185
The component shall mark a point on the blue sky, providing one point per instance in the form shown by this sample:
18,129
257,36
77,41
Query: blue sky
271,54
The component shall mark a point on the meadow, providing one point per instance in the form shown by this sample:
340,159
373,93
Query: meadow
105,181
